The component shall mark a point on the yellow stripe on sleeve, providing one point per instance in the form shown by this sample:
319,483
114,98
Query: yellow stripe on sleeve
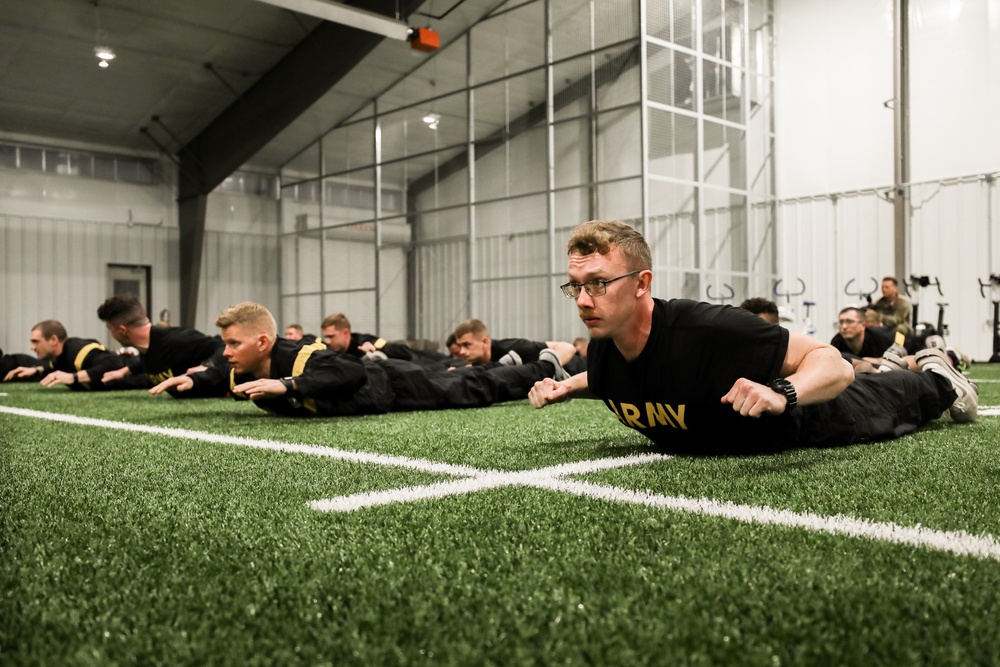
300,365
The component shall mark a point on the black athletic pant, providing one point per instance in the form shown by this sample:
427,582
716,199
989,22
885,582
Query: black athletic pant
9,362
418,388
876,406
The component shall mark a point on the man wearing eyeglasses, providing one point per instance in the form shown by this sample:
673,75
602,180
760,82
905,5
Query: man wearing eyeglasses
709,378
861,345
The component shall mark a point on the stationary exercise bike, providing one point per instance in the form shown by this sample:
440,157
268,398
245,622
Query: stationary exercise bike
807,325
994,284
861,294
722,298
921,330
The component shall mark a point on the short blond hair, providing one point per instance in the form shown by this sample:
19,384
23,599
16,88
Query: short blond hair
601,236
251,316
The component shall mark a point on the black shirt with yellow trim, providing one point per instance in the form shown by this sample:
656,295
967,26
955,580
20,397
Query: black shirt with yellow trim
85,354
174,350
327,383
9,362
391,350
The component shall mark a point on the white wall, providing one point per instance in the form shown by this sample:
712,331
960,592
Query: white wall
834,69
955,91
59,233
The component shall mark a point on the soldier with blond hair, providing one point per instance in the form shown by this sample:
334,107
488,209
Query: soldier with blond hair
294,378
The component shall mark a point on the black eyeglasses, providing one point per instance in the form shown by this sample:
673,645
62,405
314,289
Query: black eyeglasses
594,287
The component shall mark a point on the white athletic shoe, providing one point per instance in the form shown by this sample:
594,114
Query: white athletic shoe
966,406
551,357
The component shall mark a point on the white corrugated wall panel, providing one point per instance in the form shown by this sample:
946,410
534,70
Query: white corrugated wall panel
951,243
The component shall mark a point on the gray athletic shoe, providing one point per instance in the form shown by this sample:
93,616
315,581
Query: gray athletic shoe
512,358
935,341
553,358
897,349
892,362
966,406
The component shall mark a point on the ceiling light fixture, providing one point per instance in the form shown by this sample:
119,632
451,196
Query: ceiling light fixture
104,53
432,120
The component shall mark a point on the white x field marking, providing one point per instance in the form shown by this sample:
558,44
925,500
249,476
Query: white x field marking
554,478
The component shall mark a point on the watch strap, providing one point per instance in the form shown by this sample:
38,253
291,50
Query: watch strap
787,389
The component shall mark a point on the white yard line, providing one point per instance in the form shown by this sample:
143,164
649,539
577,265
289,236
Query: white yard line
554,478
313,450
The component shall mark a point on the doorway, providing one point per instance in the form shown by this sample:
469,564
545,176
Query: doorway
130,280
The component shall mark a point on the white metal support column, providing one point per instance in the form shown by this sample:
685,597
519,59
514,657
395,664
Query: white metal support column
747,187
595,190
470,150
321,198
279,244
550,171
699,146
901,126
377,138
644,114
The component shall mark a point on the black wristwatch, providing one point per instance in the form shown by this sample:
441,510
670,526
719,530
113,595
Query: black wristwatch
289,383
787,389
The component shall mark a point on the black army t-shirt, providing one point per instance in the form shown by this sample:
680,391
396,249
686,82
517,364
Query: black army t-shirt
874,345
672,392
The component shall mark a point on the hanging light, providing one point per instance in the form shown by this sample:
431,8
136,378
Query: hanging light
104,53
432,120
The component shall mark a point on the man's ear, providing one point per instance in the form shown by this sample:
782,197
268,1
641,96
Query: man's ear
645,280
262,341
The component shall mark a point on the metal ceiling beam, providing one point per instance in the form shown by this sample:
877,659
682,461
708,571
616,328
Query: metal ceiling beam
336,12
257,116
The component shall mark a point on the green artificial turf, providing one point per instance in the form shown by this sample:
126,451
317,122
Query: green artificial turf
119,547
